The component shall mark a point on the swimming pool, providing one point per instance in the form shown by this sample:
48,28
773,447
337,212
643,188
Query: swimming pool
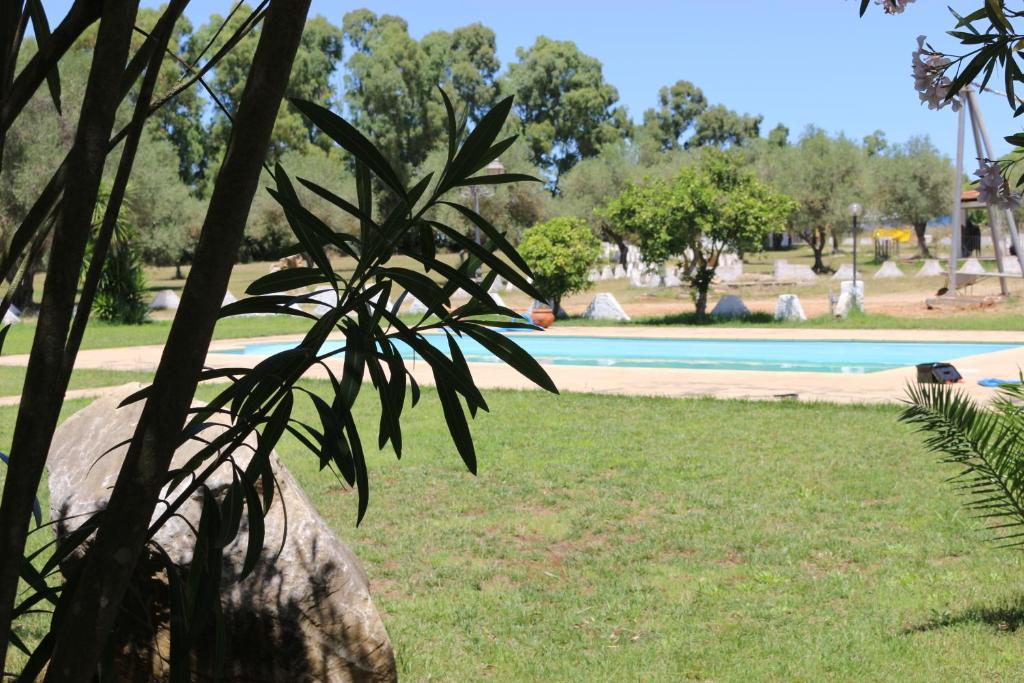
708,354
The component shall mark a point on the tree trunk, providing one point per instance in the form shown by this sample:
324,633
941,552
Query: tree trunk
110,562
816,240
919,229
835,241
44,393
701,302
623,250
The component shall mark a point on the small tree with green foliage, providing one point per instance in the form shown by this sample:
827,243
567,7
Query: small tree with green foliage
122,284
560,252
712,207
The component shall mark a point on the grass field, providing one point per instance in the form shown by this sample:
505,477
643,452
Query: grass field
615,538
12,378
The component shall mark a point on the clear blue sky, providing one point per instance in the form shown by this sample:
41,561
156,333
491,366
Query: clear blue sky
798,62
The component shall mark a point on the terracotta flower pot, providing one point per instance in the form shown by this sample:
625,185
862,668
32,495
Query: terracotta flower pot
544,317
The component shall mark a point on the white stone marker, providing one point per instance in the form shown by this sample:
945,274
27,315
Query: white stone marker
604,306
845,272
730,306
787,307
930,268
849,298
972,266
165,300
889,270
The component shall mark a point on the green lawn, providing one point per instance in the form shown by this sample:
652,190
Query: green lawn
104,336
978,320
12,378
611,538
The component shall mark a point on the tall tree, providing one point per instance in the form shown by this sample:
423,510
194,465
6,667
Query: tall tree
181,119
719,126
465,63
679,107
914,184
318,56
875,143
566,109
824,175
708,208
779,136
390,90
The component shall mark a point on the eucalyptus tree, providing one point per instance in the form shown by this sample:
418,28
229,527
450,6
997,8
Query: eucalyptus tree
719,126
390,91
567,111
319,55
465,63
679,107
105,555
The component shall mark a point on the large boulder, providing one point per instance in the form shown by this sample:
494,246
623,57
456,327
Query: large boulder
304,614
605,306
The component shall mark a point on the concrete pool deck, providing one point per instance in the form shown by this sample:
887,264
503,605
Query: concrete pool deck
887,386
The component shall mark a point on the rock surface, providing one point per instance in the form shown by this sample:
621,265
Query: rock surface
730,306
605,306
304,614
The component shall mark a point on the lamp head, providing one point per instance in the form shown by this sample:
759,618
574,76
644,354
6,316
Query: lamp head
855,209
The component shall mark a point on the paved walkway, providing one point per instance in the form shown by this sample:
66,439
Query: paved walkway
879,387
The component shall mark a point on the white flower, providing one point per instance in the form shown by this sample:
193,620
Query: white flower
893,6
929,77
993,188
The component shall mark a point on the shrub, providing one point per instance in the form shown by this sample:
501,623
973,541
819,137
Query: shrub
560,252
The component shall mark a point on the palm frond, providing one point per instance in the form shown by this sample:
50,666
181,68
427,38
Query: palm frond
986,444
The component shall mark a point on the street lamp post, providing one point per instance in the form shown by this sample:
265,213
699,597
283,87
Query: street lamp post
855,210
477,191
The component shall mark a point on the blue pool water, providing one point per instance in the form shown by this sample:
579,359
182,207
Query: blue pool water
709,354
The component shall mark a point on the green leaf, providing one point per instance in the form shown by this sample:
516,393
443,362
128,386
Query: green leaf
41,28
350,139
285,280
510,352
455,419
498,179
254,545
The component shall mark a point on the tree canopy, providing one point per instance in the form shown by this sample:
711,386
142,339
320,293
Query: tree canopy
708,208
567,111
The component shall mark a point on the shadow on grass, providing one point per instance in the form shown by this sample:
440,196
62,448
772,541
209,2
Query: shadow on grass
1007,618
690,318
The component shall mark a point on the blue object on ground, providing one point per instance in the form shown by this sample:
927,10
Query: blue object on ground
993,382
